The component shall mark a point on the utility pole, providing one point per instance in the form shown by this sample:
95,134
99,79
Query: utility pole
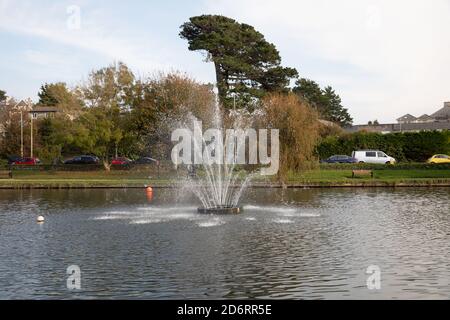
21,134
31,145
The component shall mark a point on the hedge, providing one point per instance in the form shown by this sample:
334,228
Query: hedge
405,146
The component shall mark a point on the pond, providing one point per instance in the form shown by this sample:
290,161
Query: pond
287,244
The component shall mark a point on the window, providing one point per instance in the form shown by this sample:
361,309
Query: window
381,154
371,154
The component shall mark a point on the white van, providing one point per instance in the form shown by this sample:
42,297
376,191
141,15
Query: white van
372,156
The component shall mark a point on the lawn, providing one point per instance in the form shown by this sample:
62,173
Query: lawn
134,178
384,175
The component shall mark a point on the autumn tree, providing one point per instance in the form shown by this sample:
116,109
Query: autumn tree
299,131
247,66
166,101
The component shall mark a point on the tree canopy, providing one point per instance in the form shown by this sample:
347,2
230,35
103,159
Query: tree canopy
326,101
247,66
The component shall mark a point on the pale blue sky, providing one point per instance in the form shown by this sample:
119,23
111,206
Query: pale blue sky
384,58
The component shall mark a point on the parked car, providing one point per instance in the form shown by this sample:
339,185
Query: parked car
372,156
340,159
26,161
146,160
439,158
83,160
12,159
121,161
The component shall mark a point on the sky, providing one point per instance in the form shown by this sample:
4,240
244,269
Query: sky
384,58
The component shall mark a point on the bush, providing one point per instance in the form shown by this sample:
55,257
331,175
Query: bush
407,146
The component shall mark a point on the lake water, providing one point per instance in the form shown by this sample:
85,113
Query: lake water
295,243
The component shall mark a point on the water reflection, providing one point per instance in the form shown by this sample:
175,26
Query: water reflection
294,243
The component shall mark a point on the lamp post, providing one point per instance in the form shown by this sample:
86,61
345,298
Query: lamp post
31,140
21,134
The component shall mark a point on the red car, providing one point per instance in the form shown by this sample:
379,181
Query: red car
121,161
27,161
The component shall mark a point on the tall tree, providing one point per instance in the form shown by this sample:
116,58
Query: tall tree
59,95
111,88
47,95
246,65
334,110
326,101
109,94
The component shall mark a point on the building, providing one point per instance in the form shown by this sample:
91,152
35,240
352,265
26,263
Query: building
424,119
442,115
40,112
407,118
440,120
8,106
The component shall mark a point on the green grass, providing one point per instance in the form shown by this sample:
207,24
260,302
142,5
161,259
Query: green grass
60,179
384,175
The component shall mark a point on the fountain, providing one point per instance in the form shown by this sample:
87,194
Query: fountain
220,185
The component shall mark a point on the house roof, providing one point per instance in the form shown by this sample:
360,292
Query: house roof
425,117
407,117
443,112
23,105
43,109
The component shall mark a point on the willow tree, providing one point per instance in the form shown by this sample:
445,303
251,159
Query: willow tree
246,65
299,131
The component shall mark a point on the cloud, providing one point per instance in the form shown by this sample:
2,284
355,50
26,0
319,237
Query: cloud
385,58
55,23
395,54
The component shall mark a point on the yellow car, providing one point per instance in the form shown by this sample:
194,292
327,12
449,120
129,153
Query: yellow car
439,158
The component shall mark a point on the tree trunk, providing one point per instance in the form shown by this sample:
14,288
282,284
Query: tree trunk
221,83
106,165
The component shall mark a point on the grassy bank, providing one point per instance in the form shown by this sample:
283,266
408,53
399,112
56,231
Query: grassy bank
319,177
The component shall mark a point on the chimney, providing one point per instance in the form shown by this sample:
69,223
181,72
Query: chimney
447,104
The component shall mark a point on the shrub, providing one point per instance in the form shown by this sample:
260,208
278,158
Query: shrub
407,146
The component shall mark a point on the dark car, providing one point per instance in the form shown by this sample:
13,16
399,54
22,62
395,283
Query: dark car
340,159
146,160
83,160
12,159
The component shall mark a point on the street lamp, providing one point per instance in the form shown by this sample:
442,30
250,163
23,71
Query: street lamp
21,133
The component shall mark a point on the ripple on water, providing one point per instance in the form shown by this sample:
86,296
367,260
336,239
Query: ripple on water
211,223
283,221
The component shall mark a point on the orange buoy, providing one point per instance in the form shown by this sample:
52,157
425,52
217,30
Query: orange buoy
149,192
